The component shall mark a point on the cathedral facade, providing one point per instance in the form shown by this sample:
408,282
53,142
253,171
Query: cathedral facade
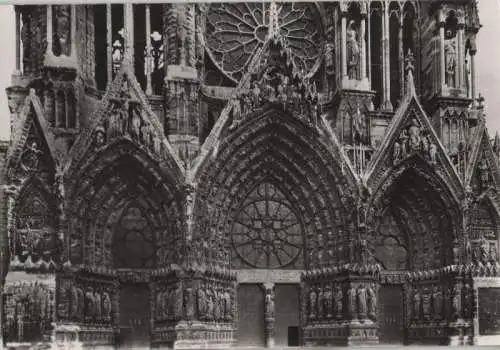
249,174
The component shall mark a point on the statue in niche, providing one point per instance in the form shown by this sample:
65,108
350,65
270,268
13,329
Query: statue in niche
106,306
484,251
493,253
321,300
228,307
426,304
456,302
269,304
312,304
59,189
351,298
73,302
189,302
62,30
353,53
371,299
361,302
210,305
178,302
437,302
201,302
414,135
89,303
328,304
135,121
31,157
416,305
450,59
97,305
338,302
484,173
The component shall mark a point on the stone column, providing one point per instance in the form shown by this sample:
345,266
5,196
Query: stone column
149,88
369,43
128,23
109,40
269,314
72,52
343,42
362,32
442,56
49,30
461,55
473,74
386,58
401,55
18,39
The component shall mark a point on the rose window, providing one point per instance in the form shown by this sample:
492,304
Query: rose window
236,30
266,232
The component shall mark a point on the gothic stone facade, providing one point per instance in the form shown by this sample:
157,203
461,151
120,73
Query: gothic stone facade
193,175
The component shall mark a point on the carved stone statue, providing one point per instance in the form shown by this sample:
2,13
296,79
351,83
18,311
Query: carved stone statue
414,136
437,302
210,305
98,305
484,173
351,297
202,302
178,302
338,302
228,306
426,303
371,302
321,300
74,302
468,300
416,305
396,154
353,53
62,30
456,302
361,302
312,304
106,306
269,304
328,304
89,303
451,56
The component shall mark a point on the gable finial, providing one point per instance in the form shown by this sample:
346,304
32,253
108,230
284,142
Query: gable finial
409,67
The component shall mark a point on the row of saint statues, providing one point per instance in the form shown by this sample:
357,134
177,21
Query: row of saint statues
212,303
436,302
86,304
332,301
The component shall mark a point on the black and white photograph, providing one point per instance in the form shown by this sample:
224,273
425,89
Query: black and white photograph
249,175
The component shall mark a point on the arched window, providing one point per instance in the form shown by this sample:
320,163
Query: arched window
395,54
267,231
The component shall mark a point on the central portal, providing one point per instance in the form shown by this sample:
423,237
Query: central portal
134,315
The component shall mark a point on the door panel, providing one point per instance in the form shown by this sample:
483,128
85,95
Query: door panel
251,315
286,301
391,314
134,314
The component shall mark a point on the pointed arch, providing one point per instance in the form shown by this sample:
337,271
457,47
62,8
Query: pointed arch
34,225
274,147
120,177
426,213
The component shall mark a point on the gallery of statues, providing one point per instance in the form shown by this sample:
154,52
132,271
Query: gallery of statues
272,174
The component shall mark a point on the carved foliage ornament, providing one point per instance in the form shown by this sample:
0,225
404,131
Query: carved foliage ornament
235,31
